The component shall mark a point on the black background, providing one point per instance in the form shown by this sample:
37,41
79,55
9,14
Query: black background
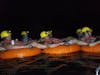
63,17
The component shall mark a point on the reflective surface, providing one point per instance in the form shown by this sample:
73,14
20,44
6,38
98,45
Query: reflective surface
71,64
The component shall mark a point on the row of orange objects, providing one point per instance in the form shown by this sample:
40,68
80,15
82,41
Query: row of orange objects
27,52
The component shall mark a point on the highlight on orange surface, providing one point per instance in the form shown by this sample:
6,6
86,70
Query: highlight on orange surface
91,49
62,49
20,53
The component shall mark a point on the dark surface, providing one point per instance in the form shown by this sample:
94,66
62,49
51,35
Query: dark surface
71,64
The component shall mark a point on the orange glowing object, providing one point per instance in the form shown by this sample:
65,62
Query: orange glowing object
91,49
62,49
20,53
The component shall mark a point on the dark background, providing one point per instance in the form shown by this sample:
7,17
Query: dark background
63,17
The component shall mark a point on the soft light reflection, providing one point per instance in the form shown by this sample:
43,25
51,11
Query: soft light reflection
50,64
21,55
